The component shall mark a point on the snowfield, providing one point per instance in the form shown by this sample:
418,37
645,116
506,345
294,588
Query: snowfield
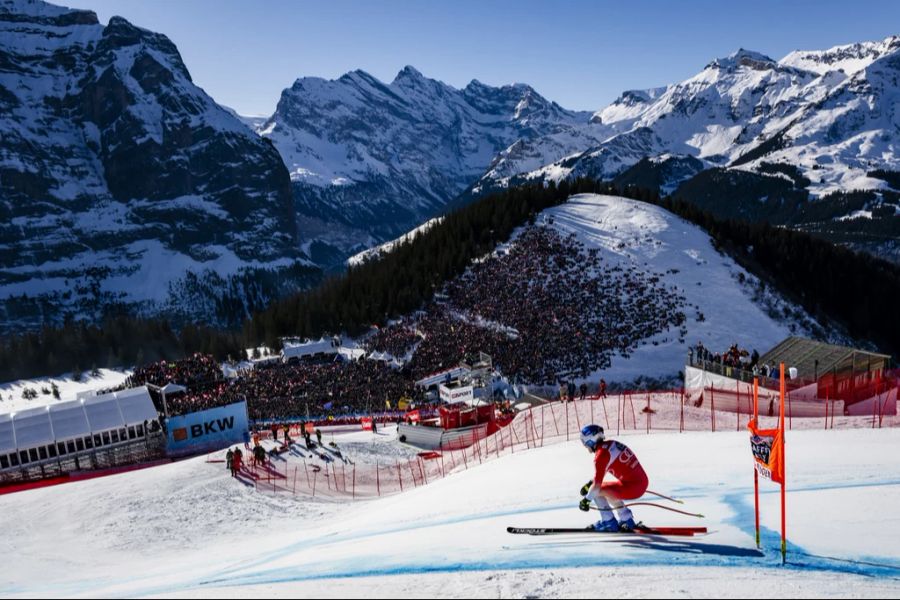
189,529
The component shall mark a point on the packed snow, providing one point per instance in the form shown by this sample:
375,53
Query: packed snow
189,529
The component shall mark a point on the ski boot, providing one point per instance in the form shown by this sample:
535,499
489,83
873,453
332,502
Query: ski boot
609,525
628,525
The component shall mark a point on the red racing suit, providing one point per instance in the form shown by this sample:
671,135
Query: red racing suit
617,459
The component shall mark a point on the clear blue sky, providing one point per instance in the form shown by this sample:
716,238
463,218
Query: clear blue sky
581,54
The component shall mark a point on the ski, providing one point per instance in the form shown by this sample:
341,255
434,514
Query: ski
641,530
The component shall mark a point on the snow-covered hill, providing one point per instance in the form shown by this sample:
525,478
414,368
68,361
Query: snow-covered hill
726,303
122,182
639,261
189,529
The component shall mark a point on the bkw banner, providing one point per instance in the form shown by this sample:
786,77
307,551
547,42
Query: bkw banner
207,430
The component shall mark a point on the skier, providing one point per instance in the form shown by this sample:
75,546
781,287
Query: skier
618,460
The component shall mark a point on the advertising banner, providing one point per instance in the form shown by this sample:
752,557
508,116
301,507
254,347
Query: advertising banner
460,394
207,430
766,445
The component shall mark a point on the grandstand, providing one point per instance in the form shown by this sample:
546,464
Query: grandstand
812,359
857,380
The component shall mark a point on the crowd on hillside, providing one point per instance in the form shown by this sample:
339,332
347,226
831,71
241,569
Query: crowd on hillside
306,388
546,309
396,340
191,371
572,311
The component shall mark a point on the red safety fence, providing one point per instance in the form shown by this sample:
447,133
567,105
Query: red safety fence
326,472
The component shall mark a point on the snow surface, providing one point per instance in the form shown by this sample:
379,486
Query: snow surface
189,529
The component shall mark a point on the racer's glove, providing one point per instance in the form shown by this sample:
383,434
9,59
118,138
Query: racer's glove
584,505
586,487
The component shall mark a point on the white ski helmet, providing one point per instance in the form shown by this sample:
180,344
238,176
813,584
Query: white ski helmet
591,436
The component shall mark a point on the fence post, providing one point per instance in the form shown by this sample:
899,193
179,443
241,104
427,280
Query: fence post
354,481
648,412
681,423
377,480
315,476
553,413
790,413
567,420
712,407
542,426
619,412
633,415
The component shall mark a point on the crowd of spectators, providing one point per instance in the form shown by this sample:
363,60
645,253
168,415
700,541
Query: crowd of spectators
735,357
396,340
308,388
546,309
194,370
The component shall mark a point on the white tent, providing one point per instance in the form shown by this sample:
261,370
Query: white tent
63,421
309,348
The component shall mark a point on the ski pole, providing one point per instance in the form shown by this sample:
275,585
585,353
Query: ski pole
675,510
664,497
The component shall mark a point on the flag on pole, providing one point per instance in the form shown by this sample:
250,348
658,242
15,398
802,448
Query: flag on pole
767,446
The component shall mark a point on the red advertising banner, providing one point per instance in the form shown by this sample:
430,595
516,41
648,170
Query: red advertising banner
413,416
366,423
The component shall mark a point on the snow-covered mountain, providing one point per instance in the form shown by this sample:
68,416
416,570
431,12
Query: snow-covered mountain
123,183
370,160
830,113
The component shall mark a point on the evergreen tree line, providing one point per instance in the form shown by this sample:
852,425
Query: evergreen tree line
117,341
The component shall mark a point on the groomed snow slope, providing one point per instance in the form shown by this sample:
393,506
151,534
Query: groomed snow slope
189,529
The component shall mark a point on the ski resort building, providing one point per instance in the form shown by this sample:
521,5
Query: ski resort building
821,379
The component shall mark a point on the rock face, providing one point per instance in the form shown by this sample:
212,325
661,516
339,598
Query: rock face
123,185
370,160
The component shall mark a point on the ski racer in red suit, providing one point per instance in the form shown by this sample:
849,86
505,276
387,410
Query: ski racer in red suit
630,481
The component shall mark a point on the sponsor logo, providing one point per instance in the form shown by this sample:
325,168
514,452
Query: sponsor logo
761,447
764,471
180,434
211,427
